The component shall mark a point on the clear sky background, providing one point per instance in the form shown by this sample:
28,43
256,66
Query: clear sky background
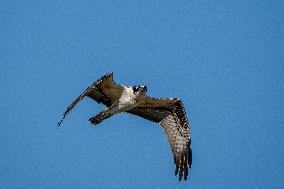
224,59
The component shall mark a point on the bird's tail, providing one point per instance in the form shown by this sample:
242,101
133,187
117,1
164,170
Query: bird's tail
99,118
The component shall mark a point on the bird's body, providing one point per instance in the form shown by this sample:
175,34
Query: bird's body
129,99
168,112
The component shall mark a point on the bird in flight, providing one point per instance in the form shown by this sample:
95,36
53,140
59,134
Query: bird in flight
168,112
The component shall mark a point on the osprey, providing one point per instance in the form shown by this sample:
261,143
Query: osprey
168,112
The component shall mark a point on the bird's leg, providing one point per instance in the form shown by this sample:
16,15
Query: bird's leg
100,117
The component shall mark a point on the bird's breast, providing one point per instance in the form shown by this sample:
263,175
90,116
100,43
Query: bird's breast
127,101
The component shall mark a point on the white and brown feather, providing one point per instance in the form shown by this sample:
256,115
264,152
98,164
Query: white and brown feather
104,91
168,112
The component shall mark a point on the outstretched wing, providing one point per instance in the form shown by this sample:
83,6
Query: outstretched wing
170,114
104,90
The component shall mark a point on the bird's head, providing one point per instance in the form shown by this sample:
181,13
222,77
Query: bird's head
140,89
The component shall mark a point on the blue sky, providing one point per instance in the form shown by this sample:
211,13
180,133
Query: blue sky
224,59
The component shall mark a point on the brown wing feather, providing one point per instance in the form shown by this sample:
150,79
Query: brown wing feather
176,128
170,114
152,114
104,90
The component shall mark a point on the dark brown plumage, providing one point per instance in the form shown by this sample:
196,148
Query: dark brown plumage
168,112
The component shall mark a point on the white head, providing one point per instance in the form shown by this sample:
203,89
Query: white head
140,90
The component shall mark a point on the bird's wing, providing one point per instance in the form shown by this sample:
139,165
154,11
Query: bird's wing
104,90
170,114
